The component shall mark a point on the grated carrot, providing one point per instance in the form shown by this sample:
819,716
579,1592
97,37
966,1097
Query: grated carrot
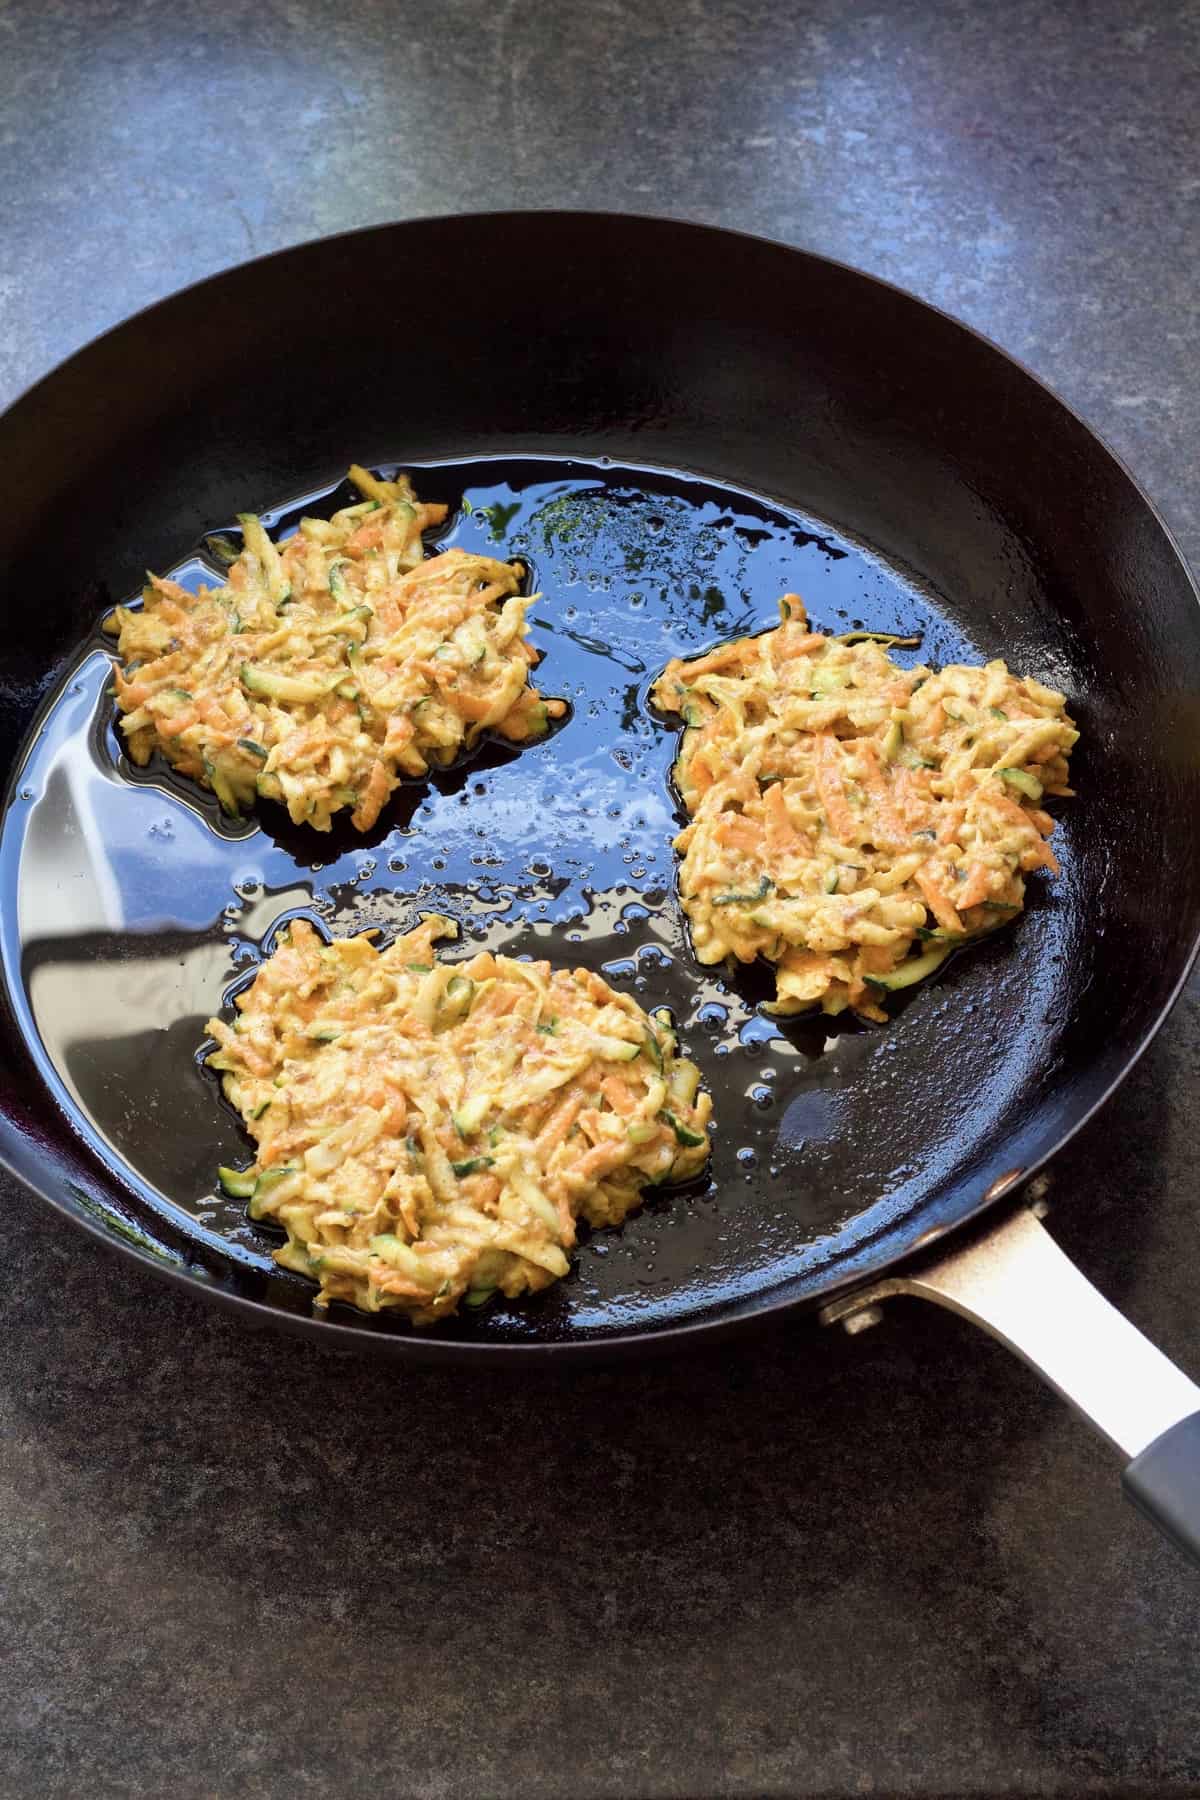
830,787
938,903
877,787
975,888
781,833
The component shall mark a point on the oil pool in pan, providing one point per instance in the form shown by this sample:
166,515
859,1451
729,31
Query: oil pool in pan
128,906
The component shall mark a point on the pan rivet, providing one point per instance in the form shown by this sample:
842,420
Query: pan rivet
862,1320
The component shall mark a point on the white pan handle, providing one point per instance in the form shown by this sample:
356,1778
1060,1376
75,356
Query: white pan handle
1017,1284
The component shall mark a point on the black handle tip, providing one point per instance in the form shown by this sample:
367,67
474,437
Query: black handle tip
1164,1483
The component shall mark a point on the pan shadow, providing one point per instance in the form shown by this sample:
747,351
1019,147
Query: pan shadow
747,1555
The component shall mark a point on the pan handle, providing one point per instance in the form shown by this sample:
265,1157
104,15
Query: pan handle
1017,1284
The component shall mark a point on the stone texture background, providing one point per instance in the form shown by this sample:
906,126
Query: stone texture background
808,1565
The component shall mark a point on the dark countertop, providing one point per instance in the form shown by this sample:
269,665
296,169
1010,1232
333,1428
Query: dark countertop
808,1564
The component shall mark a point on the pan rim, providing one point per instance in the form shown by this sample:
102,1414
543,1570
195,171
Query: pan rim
753,1312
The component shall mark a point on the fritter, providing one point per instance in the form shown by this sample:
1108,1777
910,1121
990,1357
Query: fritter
429,1132
329,666
852,822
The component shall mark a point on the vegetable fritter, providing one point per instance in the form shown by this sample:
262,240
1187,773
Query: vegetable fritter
330,665
431,1131
852,821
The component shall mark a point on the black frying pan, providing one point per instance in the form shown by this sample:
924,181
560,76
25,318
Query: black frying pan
671,425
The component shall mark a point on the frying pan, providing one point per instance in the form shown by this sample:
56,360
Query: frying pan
672,424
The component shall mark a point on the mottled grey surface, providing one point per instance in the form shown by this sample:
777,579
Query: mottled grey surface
807,1565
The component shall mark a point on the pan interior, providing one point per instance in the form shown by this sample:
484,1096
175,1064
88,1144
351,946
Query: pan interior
129,909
